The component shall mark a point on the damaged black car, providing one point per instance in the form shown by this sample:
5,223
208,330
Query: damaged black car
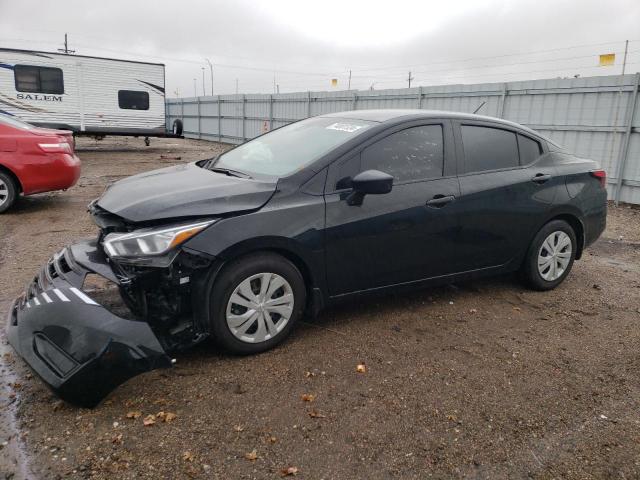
239,247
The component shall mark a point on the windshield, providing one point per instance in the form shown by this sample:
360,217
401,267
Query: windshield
15,122
292,147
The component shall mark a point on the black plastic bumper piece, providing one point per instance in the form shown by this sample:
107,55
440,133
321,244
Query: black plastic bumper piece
80,349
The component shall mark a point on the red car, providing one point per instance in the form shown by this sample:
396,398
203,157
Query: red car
34,160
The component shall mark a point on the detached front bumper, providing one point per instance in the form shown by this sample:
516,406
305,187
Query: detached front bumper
80,349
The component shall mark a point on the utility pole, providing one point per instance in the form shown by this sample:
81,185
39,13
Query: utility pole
624,59
349,84
274,83
409,79
195,91
66,50
615,116
203,92
210,71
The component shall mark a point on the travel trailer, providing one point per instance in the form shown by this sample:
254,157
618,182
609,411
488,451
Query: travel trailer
87,95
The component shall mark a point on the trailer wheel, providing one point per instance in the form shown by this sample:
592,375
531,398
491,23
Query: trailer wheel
177,127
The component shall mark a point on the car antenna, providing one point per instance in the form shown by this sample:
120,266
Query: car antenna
477,109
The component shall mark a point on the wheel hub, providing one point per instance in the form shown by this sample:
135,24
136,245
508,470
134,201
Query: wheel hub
554,256
4,192
260,307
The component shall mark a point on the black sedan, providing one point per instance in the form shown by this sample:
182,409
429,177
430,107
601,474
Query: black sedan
239,247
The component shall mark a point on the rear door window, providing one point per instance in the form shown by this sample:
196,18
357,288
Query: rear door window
529,150
133,100
487,148
416,153
34,79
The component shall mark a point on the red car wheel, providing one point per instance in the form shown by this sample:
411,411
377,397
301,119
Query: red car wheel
8,192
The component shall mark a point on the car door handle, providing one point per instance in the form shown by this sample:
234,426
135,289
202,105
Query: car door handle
541,178
440,201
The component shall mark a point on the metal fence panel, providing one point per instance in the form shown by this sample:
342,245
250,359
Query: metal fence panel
595,117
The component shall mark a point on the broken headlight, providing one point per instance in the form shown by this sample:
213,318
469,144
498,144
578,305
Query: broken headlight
151,246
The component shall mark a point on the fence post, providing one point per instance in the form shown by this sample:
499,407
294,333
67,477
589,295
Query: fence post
270,112
182,112
624,148
354,105
219,120
244,116
166,114
419,98
503,100
308,103
199,121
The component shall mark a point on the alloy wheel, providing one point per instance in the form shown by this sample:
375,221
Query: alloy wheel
4,192
260,307
554,256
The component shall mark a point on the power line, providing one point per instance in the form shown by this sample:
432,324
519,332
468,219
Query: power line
530,71
184,60
474,67
533,52
388,78
361,69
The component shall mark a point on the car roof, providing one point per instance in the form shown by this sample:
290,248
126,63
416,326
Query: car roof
389,115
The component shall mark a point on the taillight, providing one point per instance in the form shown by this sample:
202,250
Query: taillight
601,175
60,147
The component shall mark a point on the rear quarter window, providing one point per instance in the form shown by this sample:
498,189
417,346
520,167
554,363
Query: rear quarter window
529,149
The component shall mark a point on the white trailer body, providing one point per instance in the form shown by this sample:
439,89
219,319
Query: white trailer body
88,95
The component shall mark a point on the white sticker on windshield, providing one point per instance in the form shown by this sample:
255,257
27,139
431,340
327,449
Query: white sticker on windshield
345,127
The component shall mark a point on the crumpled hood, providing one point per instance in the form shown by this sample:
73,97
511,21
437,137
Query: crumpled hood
183,190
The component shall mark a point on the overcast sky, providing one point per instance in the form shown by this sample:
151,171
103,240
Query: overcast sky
304,44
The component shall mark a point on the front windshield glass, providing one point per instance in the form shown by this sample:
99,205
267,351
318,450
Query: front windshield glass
292,147
15,122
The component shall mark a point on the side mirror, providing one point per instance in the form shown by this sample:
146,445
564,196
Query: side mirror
369,182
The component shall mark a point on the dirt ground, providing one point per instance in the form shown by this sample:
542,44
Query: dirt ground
477,380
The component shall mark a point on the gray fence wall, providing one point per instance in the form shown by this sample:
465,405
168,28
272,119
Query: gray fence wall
595,117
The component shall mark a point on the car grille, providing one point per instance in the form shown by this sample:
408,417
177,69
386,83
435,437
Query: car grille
59,269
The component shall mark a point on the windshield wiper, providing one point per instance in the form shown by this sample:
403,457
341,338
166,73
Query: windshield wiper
211,162
229,172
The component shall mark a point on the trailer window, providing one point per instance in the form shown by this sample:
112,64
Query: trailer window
32,79
133,100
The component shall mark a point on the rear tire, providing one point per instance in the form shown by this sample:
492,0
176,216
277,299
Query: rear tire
550,256
255,303
8,192
177,127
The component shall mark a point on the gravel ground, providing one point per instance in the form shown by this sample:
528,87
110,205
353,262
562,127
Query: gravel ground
476,380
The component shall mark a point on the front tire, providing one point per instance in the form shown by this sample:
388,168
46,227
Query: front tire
550,256
255,303
8,192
